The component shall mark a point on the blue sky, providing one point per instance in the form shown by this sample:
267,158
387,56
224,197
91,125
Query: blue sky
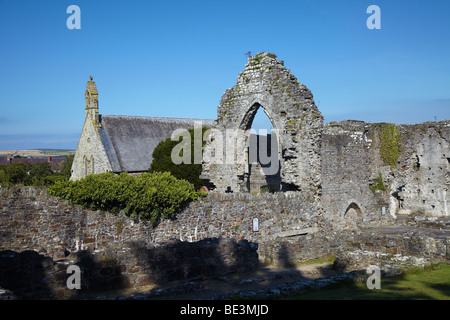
177,58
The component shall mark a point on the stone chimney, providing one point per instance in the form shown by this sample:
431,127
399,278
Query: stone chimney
49,158
8,158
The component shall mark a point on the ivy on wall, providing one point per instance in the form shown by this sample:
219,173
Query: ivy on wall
390,138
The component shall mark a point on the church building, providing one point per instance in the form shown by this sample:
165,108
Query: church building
120,143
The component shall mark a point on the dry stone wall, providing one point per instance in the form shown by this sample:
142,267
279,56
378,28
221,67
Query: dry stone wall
30,219
396,248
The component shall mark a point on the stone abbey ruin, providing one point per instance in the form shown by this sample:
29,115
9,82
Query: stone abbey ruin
334,164
369,193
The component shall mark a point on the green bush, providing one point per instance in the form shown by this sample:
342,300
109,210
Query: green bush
38,172
378,183
149,197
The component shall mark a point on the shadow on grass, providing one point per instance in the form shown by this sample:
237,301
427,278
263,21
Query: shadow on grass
428,284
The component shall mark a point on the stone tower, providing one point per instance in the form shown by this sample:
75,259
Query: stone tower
91,101
90,156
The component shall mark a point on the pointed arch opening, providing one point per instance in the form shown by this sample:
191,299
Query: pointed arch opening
87,99
262,151
85,163
88,162
261,123
353,216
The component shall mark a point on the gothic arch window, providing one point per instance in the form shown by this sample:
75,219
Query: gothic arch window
262,154
262,115
88,165
87,98
85,166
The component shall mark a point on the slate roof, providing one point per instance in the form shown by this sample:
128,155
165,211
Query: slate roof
129,141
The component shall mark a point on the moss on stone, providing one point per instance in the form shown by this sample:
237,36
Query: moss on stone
119,226
291,124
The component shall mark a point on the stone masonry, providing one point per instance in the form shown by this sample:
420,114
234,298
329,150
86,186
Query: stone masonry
266,83
211,237
337,164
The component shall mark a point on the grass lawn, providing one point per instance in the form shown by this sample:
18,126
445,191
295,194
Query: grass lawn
431,283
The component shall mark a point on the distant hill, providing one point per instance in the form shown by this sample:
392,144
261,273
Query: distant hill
37,153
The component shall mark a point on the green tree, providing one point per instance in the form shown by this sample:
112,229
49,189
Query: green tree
18,173
66,169
4,176
37,173
162,161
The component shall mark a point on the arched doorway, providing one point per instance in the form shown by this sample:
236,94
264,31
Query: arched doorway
352,216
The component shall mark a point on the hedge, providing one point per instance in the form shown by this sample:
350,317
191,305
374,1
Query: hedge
149,197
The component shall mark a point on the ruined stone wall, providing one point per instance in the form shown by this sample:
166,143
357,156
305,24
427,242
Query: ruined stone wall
338,165
415,182
420,242
347,172
210,237
394,249
266,83
420,182
41,236
416,185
